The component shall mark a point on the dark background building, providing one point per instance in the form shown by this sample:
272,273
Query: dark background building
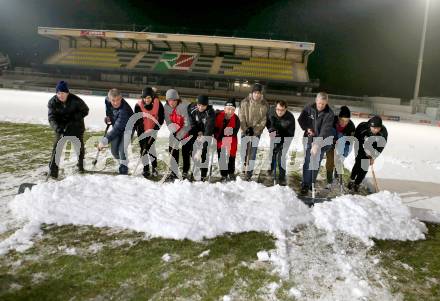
363,47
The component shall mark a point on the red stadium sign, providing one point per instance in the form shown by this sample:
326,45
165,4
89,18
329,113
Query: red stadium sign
93,33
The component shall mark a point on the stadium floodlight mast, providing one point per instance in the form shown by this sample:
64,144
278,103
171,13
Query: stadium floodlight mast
422,49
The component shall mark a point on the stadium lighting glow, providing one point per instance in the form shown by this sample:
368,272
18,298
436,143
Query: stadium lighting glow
237,84
245,85
422,49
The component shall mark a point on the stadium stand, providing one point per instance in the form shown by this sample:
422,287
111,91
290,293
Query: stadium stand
220,63
93,57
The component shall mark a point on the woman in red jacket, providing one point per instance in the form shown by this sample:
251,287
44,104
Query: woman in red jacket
226,129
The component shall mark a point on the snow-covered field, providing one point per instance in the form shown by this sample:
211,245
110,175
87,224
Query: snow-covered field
410,155
198,210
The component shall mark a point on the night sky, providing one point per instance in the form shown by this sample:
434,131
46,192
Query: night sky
363,47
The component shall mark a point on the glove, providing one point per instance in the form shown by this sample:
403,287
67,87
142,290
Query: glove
107,120
60,131
228,131
272,134
250,132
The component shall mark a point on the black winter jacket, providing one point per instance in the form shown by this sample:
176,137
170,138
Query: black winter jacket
201,121
284,126
363,132
68,117
320,122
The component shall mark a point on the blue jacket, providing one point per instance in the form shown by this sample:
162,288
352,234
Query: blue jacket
119,118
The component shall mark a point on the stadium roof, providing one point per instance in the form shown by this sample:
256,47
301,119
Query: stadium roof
212,45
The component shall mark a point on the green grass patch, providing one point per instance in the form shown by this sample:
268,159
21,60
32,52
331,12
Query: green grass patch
78,263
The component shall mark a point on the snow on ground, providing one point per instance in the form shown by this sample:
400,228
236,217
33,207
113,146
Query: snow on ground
352,214
411,153
196,211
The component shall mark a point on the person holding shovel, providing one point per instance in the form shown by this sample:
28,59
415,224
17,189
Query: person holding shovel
202,117
281,127
118,113
66,113
147,128
343,127
317,122
372,137
253,117
226,129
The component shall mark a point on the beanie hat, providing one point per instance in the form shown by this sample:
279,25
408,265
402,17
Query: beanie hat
257,87
375,122
172,94
147,91
344,112
202,100
62,87
230,102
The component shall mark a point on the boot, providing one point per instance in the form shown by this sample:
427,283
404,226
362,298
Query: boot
350,185
80,166
356,188
53,173
282,181
123,170
329,177
146,171
304,190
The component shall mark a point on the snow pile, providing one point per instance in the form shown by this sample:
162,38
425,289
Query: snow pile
325,256
176,210
381,215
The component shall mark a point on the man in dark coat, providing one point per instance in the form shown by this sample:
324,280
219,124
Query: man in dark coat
66,113
118,112
147,127
317,122
202,117
372,137
281,126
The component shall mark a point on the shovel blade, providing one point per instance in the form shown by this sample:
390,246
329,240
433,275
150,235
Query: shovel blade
310,201
22,188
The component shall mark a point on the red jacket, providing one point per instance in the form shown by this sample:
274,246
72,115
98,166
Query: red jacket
230,142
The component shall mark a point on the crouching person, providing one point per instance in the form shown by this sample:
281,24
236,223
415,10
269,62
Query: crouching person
372,137
227,125
118,112
147,128
281,127
66,113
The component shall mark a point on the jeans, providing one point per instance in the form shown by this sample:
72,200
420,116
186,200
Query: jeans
53,164
310,174
119,152
279,157
245,141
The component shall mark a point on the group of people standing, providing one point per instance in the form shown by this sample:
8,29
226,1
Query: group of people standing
196,128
